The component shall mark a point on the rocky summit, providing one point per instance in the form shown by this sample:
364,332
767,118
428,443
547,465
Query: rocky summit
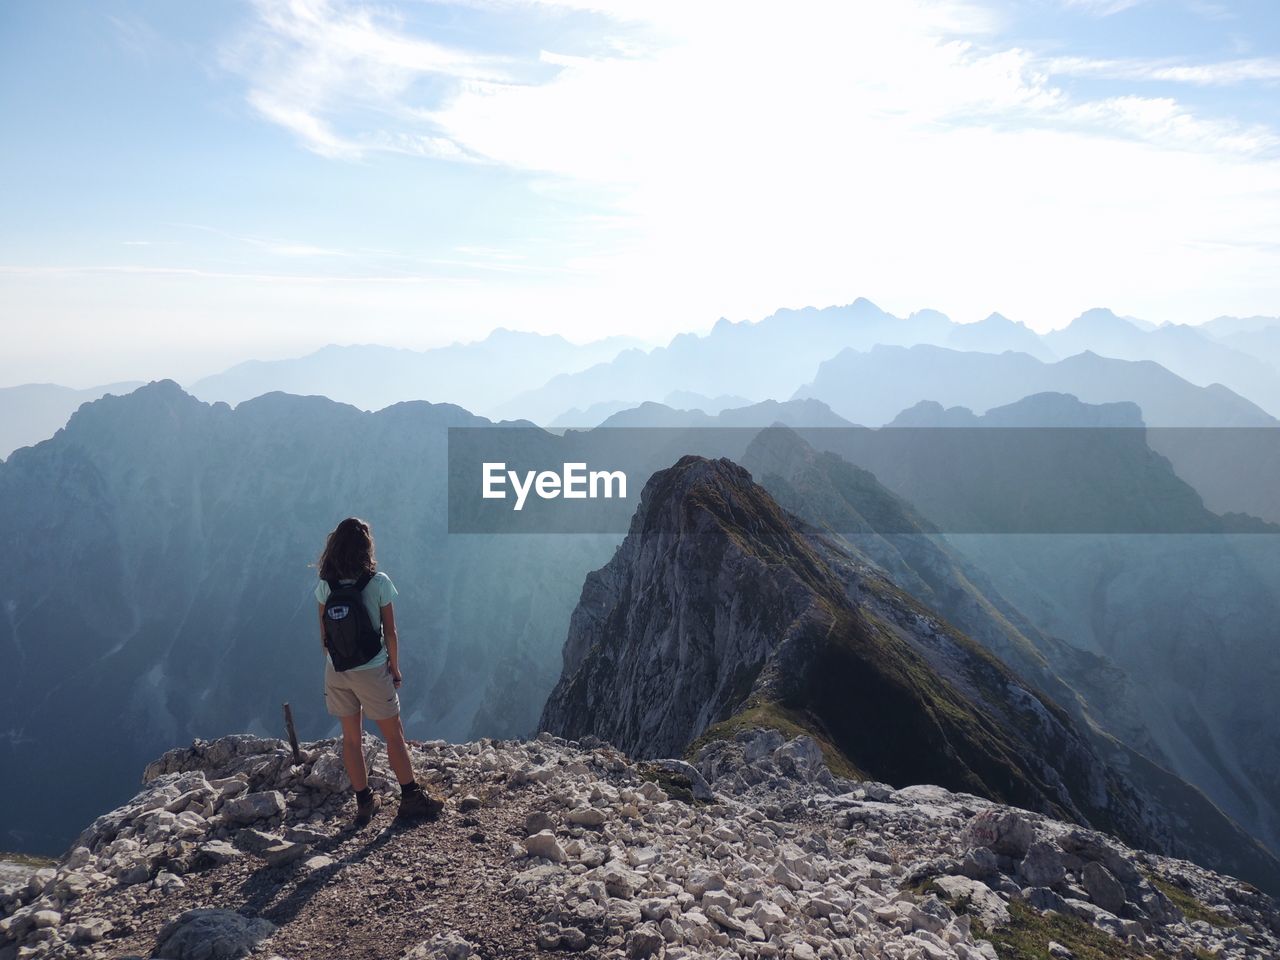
754,849
721,610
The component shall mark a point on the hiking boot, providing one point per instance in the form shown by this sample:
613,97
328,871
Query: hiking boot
419,805
365,809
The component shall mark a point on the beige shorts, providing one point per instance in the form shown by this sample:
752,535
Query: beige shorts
348,692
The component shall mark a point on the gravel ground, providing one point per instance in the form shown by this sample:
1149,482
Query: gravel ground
11,872
390,887
753,852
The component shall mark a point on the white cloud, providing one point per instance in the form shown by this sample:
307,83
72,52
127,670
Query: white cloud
1163,120
310,129
309,61
1103,8
1221,73
740,157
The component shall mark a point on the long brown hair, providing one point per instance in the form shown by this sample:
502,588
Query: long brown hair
348,552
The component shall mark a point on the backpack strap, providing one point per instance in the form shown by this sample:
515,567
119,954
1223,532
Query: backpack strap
362,582
334,586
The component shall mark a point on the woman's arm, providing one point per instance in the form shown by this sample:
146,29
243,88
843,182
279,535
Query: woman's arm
392,641
322,644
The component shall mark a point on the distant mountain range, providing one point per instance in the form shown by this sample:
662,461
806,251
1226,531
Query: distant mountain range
35,411
871,387
1230,468
772,358
998,334
546,379
1191,352
472,375
599,413
1257,336
1226,449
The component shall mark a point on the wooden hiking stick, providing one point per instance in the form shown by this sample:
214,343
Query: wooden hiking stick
293,733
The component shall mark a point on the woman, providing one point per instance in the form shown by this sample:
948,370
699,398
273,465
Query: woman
370,685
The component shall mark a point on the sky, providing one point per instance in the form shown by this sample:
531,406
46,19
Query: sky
185,186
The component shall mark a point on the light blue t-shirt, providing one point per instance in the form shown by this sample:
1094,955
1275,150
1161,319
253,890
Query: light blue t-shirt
377,594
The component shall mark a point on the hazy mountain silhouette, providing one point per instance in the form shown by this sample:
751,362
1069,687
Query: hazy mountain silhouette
873,386
996,334
1223,327
550,381
1078,468
689,400
792,413
1191,352
1255,336
33,412
772,357
592,416
759,361
598,413
371,377
1230,468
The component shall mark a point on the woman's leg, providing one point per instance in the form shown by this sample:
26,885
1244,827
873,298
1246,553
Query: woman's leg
397,750
353,751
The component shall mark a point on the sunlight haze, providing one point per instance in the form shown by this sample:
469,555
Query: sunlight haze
190,187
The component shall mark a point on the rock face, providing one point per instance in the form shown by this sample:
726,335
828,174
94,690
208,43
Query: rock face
721,609
1103,698
651,674
781,859
212,935
145,508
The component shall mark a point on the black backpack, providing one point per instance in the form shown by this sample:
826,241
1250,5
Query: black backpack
349,635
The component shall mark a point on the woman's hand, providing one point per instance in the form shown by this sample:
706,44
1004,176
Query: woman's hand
392,641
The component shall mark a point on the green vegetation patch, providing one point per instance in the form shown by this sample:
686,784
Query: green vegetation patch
766,714
1028,933
1191,908
675,785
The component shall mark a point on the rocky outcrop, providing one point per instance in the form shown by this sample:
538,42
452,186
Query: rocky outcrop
148,508
672,635
1170,637
721,609
875,527
753,850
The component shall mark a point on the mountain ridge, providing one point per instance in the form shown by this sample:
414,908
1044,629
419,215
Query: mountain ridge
372,376
888,688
